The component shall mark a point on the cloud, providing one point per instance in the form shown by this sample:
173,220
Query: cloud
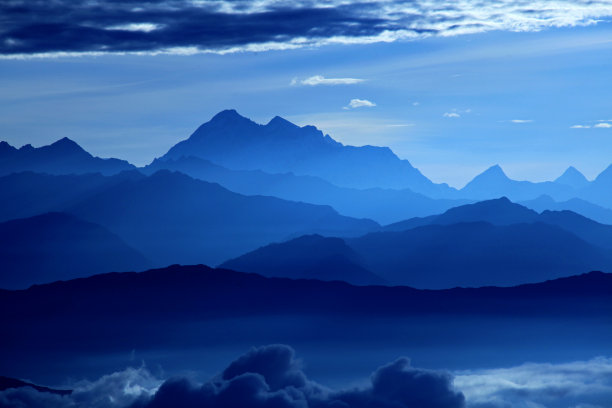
120,389
321,80
603,125
580,127
576,384
451,115
521,120
72,27
265,377
360,103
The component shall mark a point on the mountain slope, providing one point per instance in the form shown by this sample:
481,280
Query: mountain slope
381,205
306,257
236,142
573,178
493,182
58,246
61,157
585,208
502,211
172,218
477,254
27,194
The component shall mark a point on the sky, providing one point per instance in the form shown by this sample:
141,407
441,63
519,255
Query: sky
453,87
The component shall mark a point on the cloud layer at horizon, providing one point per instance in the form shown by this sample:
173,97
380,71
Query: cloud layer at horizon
66,27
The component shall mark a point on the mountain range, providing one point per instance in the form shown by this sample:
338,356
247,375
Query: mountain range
170,217
234,187
280,146
62,157
493,242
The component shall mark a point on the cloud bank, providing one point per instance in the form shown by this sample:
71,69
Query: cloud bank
581,384
68,27
265,377
271,377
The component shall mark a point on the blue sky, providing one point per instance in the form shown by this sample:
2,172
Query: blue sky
453,101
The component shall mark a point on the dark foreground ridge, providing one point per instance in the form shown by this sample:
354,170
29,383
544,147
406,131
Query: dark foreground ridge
186,292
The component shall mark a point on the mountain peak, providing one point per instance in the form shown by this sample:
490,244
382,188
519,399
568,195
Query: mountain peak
278,122
66,145
495,170
227,115
5,147
572,177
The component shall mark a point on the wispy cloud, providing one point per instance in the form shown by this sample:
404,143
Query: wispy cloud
601,124
73,27
359,103
451,115
521,120
321,80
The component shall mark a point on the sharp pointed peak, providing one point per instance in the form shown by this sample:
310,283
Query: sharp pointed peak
495,170
278,121
572,177
64,141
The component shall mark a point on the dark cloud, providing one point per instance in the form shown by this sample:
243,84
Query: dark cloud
270,377
185,26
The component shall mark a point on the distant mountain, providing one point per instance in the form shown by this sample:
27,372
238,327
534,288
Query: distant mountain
236,142
62,157
307,257
173,218
502,211
477,254
56,246
493,182
573,178
381,205
494,242
27,194
599,191
577,205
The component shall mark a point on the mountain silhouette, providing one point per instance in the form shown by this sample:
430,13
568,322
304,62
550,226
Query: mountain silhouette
504,212
184,309
306,257
238,143
58,246
585,208
477,254
381,205
173,218
62,157
27,194
170,217
573,178
493,182
494,242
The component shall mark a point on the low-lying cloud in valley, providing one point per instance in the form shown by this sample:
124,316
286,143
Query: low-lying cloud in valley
271,377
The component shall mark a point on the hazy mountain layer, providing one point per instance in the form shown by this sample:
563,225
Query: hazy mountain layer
55,246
